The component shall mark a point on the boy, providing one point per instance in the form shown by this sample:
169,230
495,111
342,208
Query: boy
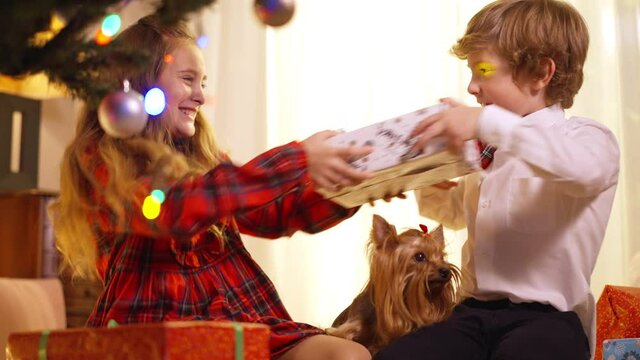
536,217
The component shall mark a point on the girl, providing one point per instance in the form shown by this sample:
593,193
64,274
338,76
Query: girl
189,262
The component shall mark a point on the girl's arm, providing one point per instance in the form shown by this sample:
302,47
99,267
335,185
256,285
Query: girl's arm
301,209
194,204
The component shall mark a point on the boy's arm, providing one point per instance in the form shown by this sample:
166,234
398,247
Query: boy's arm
581,156
445,206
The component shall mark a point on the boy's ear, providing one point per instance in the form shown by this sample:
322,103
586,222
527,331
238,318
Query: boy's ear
547,70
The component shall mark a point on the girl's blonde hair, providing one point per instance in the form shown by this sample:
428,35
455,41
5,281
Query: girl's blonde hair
152,153
526,32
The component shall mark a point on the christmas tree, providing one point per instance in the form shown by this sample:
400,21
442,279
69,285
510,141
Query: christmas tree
51,37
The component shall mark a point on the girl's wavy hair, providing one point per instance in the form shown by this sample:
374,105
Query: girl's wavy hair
152,153
525,33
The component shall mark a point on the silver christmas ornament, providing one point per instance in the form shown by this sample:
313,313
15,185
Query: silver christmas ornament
274,12
121,114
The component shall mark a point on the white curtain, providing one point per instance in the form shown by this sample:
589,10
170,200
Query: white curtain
343,64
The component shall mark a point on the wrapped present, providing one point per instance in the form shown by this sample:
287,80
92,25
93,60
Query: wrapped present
617,315
395,166
621,349
188,340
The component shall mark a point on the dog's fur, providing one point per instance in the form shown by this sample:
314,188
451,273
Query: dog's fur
410,286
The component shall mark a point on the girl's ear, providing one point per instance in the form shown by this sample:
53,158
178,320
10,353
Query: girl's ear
546,71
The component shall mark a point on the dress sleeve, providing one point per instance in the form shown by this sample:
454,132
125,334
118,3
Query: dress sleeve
227,190
300,209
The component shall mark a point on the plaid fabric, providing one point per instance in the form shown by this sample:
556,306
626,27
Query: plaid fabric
175,268
486,154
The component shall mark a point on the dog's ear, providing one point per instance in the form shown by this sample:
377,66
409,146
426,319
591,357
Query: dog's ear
437,235
383,231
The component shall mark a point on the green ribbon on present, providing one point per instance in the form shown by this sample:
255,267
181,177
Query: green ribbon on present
112,324
42,345
237,327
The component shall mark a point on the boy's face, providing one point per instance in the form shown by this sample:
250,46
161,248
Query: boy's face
492,83
182,81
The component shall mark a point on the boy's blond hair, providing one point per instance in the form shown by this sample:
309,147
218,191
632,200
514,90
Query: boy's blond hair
525,33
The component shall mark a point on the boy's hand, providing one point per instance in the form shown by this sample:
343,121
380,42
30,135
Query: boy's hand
457,124
388,198
329,165
445,185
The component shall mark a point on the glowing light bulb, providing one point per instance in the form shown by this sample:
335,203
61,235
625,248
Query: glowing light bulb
111,24
202,41
102,39
154,101
158,195
150,208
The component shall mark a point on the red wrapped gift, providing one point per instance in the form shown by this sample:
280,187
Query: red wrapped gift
189,340
617,315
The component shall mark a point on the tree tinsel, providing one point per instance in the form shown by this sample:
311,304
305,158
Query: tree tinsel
72,58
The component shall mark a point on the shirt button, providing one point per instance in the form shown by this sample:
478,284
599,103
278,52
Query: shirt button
485,204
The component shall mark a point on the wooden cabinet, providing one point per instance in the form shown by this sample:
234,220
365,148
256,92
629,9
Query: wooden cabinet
80,296
27,245
27,250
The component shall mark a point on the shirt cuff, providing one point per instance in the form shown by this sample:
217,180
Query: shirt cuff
495,125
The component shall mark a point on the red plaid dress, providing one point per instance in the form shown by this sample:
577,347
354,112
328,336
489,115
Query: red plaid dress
173,267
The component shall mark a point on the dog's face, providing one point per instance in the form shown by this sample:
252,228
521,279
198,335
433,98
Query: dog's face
410,285
410,275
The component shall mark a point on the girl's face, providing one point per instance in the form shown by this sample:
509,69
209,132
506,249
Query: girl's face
183,79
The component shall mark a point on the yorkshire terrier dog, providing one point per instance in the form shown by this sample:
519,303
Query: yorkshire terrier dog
410,286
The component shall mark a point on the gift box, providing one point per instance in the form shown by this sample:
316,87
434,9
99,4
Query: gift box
617,315
188,340
621,349
396,168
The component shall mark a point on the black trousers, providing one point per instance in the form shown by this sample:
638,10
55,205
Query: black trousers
496,330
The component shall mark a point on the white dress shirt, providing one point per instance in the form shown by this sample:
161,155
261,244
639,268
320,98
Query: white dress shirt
536,217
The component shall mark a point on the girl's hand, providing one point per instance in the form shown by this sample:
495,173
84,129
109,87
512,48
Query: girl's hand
329,166
457,124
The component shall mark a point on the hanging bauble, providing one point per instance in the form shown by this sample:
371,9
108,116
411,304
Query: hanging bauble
274,12
121,114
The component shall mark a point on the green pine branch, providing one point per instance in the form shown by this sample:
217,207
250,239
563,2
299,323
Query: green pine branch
72,58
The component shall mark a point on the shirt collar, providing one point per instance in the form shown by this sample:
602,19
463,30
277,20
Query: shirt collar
547,116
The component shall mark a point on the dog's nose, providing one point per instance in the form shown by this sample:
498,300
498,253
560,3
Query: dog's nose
444,273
